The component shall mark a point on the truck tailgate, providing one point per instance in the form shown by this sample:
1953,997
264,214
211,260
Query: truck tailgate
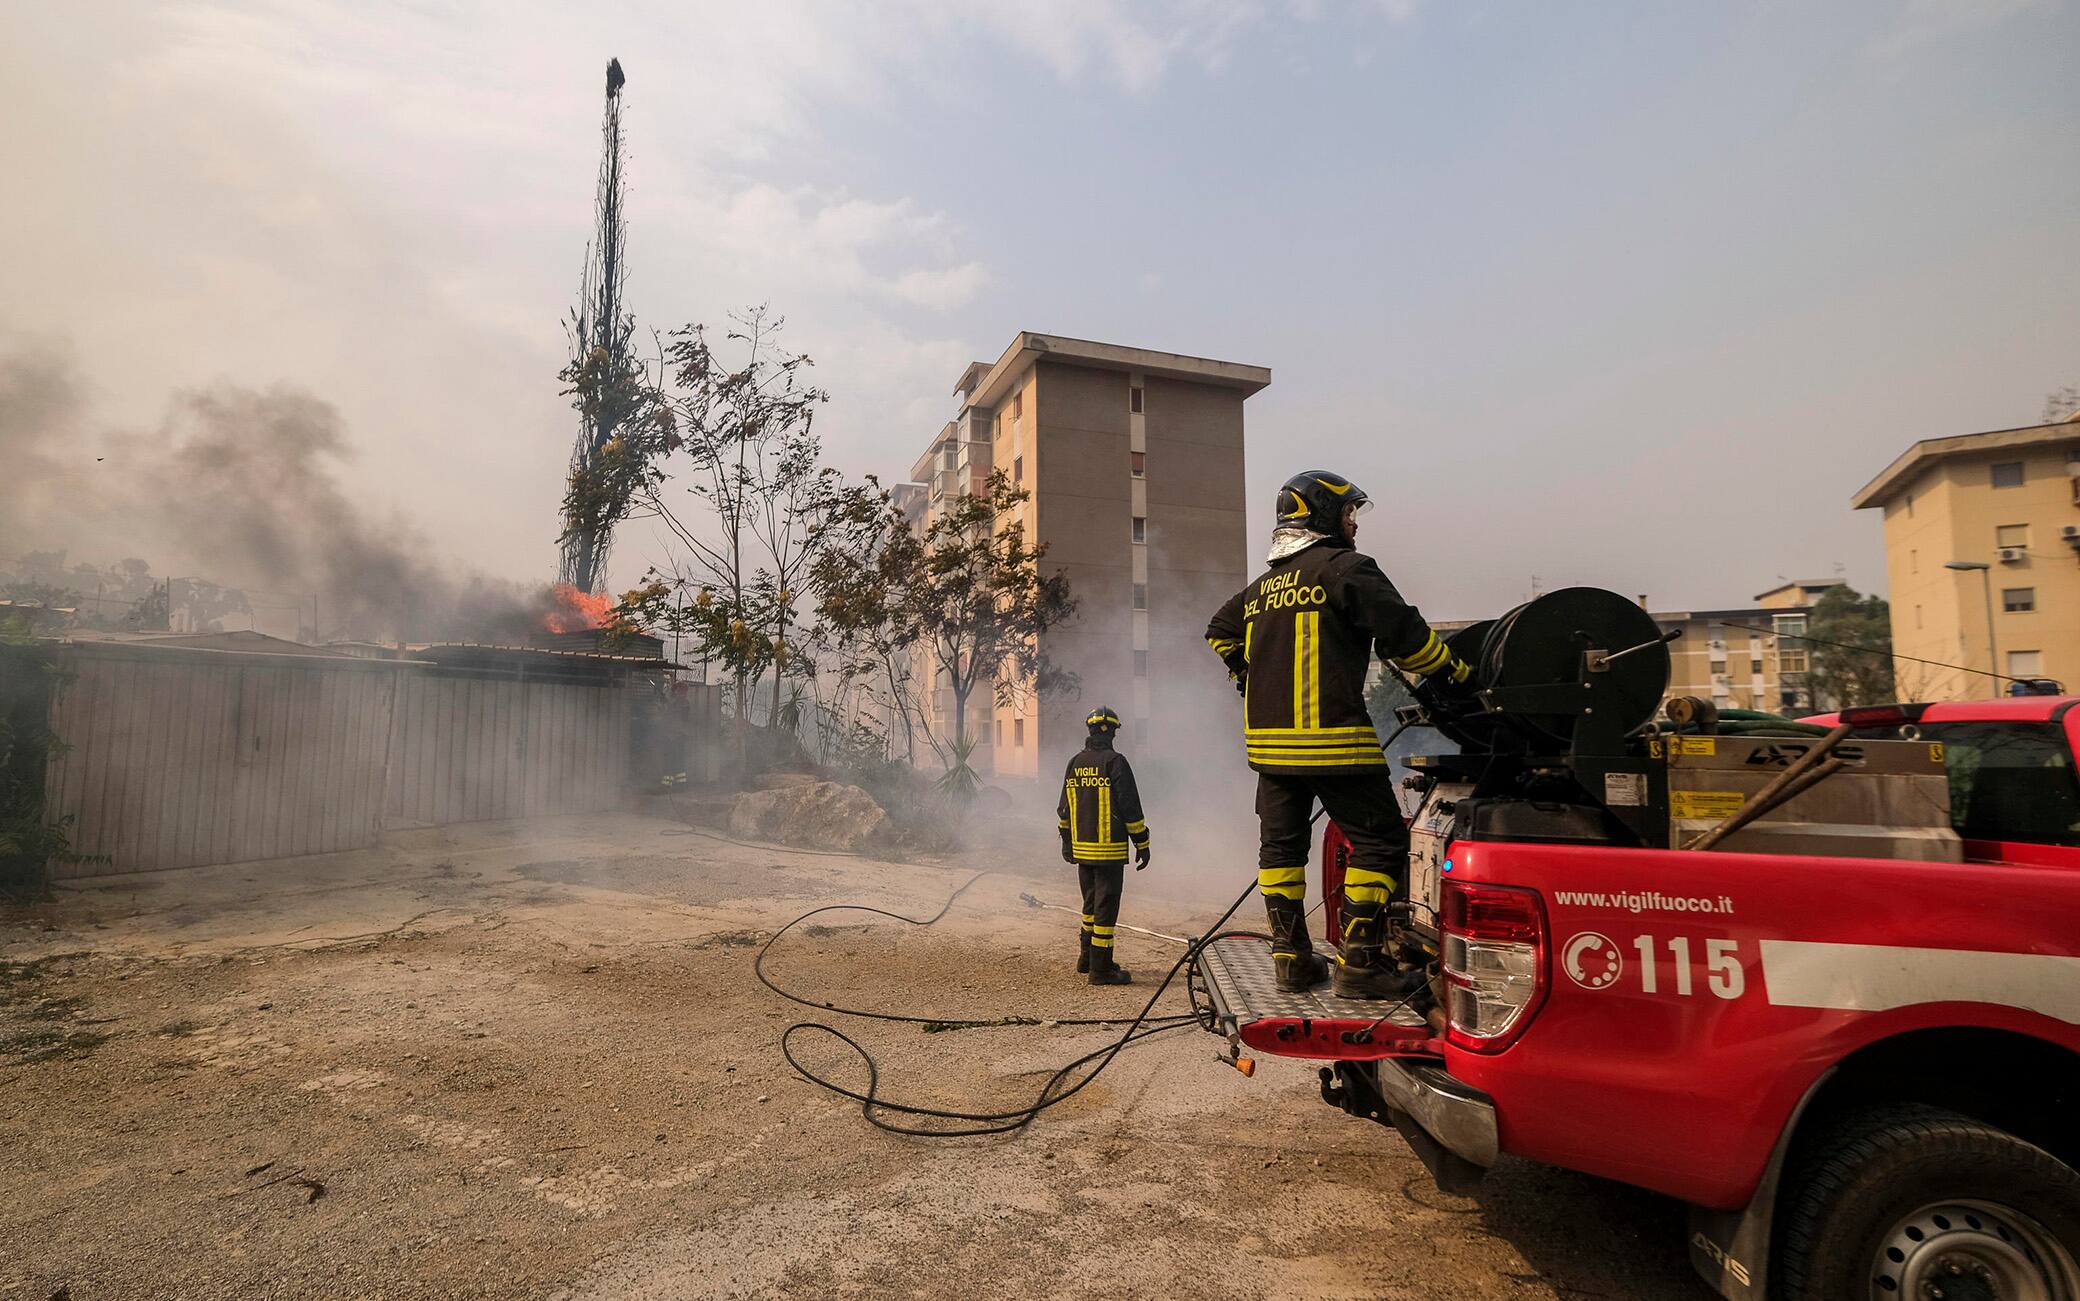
1238,978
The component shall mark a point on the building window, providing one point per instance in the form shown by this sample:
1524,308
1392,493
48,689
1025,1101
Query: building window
2018,600
2011,535
1791,657
2025,664
1913,561
1755,667
1000,731
1139,460
1917,618
1018,732
1141,596
1141,528
1134,399
2007,474
1140,664
1018,405
1018,469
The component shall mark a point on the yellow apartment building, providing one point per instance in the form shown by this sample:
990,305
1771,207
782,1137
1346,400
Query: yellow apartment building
1982,558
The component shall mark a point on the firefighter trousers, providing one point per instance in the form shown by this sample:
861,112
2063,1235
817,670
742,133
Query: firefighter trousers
1102,884
1363,804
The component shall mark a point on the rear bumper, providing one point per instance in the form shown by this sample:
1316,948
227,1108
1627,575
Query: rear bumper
1458,1116
1449,1125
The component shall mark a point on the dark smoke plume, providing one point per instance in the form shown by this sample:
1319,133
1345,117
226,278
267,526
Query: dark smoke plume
236,485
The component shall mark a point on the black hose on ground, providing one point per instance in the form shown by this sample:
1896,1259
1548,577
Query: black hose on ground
1143,1026
758,969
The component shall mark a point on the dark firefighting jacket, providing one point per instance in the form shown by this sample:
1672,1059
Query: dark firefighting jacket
1100,809
1301,639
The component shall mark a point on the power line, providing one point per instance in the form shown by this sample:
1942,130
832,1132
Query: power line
1873,650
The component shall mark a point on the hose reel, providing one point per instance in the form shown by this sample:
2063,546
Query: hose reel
1572,671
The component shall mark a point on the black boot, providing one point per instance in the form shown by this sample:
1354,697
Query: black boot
1104,971
1297,966
1362,968
1083,956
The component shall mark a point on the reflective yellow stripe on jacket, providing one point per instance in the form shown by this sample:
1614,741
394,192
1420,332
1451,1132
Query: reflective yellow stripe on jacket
1322,747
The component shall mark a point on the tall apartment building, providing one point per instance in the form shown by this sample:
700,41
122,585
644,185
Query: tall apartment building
1134,461
1982,557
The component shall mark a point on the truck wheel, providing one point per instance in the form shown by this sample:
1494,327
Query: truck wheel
1915,1202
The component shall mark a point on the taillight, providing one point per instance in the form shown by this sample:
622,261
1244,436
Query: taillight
1882,715
1494,962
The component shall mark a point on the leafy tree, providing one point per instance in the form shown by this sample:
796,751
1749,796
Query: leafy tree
30,840
982,602
965,594
2061,404
743,433
1386,694
867,560
1839,675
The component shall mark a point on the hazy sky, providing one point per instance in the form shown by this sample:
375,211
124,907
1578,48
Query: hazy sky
1633,295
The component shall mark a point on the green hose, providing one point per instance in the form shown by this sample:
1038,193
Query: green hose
1746,722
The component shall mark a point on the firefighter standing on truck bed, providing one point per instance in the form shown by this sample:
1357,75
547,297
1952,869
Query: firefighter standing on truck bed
1298,642
1100,813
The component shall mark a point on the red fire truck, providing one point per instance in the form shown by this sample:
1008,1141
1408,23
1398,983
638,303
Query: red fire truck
1848,1036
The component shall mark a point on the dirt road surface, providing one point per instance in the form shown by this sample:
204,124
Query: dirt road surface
530,1060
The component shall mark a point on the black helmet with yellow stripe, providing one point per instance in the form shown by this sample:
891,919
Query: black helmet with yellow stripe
1317,499
1102,721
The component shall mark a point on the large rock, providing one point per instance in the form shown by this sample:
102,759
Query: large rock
823,815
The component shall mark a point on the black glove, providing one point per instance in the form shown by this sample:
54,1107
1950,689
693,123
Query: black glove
1140,857
1241,682
1068,854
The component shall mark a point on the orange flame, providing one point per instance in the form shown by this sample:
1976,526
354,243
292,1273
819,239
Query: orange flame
571,610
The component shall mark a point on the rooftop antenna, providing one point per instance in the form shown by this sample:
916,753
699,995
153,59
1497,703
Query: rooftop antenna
600,323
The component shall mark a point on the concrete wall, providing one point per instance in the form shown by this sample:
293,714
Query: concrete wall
1953,512
1078,460
1198,556
1083,494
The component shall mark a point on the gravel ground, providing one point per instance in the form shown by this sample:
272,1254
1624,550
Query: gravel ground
531,1060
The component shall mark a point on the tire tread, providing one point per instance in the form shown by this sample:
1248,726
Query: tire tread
1882,1135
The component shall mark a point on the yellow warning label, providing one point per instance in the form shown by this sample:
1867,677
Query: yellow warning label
1696,745
1704,804
1653,749
1935,751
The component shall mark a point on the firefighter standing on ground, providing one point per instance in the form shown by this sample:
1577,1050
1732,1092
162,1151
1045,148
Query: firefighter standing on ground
1100,813
1298,642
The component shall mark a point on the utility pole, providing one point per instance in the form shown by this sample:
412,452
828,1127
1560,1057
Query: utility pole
1993,657
597,326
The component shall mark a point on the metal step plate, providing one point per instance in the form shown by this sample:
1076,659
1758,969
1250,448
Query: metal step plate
1241,982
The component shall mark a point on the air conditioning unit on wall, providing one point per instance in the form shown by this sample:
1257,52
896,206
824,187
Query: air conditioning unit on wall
2012,555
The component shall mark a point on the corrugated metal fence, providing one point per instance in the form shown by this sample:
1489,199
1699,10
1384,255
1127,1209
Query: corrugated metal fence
178,757
469,749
